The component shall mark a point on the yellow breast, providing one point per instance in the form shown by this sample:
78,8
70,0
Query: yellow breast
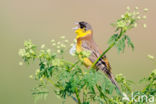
79,49
78,46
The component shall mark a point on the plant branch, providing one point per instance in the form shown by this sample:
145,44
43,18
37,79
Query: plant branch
110,46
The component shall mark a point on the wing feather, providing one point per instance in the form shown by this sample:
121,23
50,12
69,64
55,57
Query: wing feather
103,63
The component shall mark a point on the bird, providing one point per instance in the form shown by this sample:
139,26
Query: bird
85,42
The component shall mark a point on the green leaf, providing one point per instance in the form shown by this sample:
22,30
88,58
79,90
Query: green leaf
120,45
112,39
40,92
129,42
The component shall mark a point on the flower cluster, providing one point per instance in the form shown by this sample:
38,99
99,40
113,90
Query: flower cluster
60,45
130,19
28,52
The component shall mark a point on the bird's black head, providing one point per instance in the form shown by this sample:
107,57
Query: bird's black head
83,29
85,25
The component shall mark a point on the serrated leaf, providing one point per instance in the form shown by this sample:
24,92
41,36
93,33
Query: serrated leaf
120,45
113,38
129,42
40,92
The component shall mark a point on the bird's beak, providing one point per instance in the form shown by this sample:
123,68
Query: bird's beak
77,27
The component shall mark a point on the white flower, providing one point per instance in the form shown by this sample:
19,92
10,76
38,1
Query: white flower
144,25
49,50
144,17
122,16
135,25
62,37
138,17
54,44
52,40
20,63
136,8
66,41
71,44
37,71
150,56
22,52
146,9
43,45
137,13
62,45
125,97
31,76
58,51
58,43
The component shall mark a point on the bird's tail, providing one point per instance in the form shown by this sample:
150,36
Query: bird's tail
105,67
111,77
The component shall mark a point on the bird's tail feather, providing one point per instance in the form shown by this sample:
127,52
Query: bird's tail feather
107,70
111,77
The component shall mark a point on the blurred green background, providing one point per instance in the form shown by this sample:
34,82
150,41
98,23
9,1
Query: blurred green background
43,20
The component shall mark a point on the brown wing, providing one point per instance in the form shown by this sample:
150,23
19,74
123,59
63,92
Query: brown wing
103,63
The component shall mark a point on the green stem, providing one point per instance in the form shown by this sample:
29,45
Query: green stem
74,65
101,93
84,94
77,96
110,46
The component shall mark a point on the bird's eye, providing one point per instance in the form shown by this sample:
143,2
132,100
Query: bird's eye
82,25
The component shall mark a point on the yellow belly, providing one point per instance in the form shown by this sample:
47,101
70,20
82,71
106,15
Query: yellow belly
86,61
